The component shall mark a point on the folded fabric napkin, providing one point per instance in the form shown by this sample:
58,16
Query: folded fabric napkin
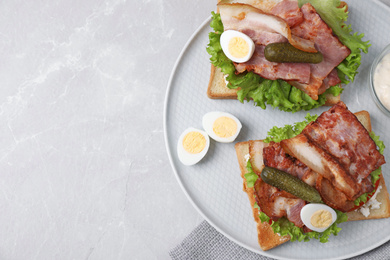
386,2
205,242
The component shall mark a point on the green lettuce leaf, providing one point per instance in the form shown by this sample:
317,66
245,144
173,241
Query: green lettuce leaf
278,134
381,146
375,174
250,176
336,17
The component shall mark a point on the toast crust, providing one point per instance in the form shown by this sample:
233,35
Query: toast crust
267,239
217,86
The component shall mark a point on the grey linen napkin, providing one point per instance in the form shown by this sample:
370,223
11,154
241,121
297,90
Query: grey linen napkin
205,242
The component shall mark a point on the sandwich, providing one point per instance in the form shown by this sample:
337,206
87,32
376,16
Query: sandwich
300,52
332,162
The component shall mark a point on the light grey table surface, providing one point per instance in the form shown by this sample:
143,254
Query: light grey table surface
84,172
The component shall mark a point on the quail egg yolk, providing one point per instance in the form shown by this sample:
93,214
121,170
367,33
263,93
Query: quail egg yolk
224,127
321,219
238,47
194,142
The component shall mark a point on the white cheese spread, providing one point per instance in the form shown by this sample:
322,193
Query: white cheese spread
247,157
371,204
382,81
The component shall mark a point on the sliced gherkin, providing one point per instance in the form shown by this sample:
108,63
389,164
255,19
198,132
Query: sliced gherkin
285,52
290,184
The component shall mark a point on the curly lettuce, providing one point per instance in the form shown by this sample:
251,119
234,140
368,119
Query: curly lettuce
277,134
284,227
375,175
335,17
250,177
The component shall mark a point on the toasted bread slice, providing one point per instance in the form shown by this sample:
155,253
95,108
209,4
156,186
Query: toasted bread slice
383,195
267,239
217,88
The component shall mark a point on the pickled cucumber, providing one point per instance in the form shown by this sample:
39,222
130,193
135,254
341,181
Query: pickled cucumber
290,184
285,52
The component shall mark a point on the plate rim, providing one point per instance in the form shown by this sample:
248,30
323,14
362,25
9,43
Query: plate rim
179,180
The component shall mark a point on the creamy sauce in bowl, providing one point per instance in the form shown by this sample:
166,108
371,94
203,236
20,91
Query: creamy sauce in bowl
381,80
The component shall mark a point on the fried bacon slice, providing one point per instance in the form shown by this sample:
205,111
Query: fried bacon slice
333,197
321,162
313,28
274,202
256,155
340,149
331,80
239,17
339,132
274,70
275,156
288,10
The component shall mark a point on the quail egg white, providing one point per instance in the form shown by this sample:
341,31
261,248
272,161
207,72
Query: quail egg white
318,217
221,126
237,46
192,146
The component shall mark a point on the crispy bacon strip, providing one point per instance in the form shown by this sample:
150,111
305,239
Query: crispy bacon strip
338,147
288,10
273,202
313,28
274,156
331,80
332,196
319,161
264,38
256,155
340,133
276,203
273,70
241,16
315,85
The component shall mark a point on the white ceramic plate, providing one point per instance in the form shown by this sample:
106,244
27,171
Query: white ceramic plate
214,186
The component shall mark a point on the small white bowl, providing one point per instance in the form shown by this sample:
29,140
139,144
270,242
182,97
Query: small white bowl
374,93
